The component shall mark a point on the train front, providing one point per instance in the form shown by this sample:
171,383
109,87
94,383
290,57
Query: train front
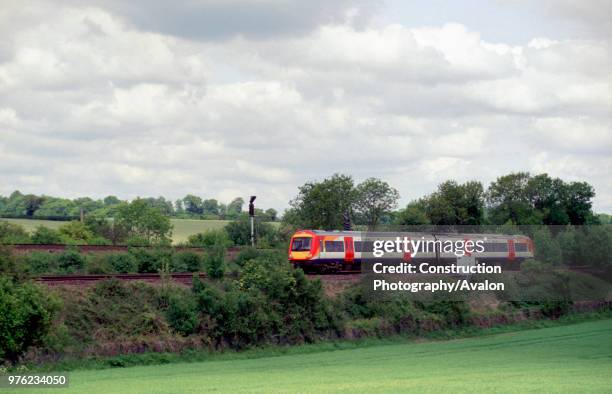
303,248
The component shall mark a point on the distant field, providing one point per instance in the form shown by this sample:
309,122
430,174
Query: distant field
574,358
31,224
183,228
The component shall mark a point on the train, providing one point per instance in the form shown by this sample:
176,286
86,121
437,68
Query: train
347,251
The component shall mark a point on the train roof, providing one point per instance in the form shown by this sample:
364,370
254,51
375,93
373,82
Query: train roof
369,234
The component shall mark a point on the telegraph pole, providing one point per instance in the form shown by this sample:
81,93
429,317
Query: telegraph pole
252,217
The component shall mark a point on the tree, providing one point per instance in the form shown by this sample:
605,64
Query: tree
373,199
413,215
455,204
321,205
32,203
26,314
161,204
144,222
271,214
85,204
210,207
193,204
234,208
178,207
55,207
111,200
106,228
578,203
540,199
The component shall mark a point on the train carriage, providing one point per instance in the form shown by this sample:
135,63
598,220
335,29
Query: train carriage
325,251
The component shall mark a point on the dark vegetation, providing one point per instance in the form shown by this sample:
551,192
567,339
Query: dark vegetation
261,301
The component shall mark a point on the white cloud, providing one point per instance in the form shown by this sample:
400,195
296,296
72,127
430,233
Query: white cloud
91,103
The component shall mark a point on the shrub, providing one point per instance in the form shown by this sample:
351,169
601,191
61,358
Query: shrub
182,313
245,255
9,264
151,260
214,261
209,238
42,263
454,313
276,256
77,231
71,261
44,235
124,263
26,314
99,241
99,265
13,233
186,262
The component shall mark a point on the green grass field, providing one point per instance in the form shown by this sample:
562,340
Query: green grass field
571,358
183,228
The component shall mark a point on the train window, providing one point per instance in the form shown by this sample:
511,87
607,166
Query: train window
495,247
364,246
301,244
520,247
334,246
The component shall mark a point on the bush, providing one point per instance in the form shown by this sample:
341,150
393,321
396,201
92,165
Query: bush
99,265
182,313
13,233
209,238
270,255
245,255
99,241
44,236
186,262
9,263
124,263
71,261
26,314
40,263
76,231
214,261
151,260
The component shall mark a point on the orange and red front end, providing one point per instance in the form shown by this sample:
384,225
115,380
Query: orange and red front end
303,248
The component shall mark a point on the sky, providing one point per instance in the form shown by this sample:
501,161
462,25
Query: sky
226,98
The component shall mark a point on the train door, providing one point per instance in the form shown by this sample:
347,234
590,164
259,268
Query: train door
349,250
511,251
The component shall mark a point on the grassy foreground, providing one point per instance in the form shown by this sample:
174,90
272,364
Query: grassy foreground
574,358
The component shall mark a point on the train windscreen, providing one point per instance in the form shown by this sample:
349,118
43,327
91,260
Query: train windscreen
301,244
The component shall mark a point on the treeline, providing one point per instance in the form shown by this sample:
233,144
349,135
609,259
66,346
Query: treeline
32,206
137,223
514,199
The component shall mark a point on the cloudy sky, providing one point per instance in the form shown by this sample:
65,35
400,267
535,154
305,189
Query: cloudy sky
226,98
